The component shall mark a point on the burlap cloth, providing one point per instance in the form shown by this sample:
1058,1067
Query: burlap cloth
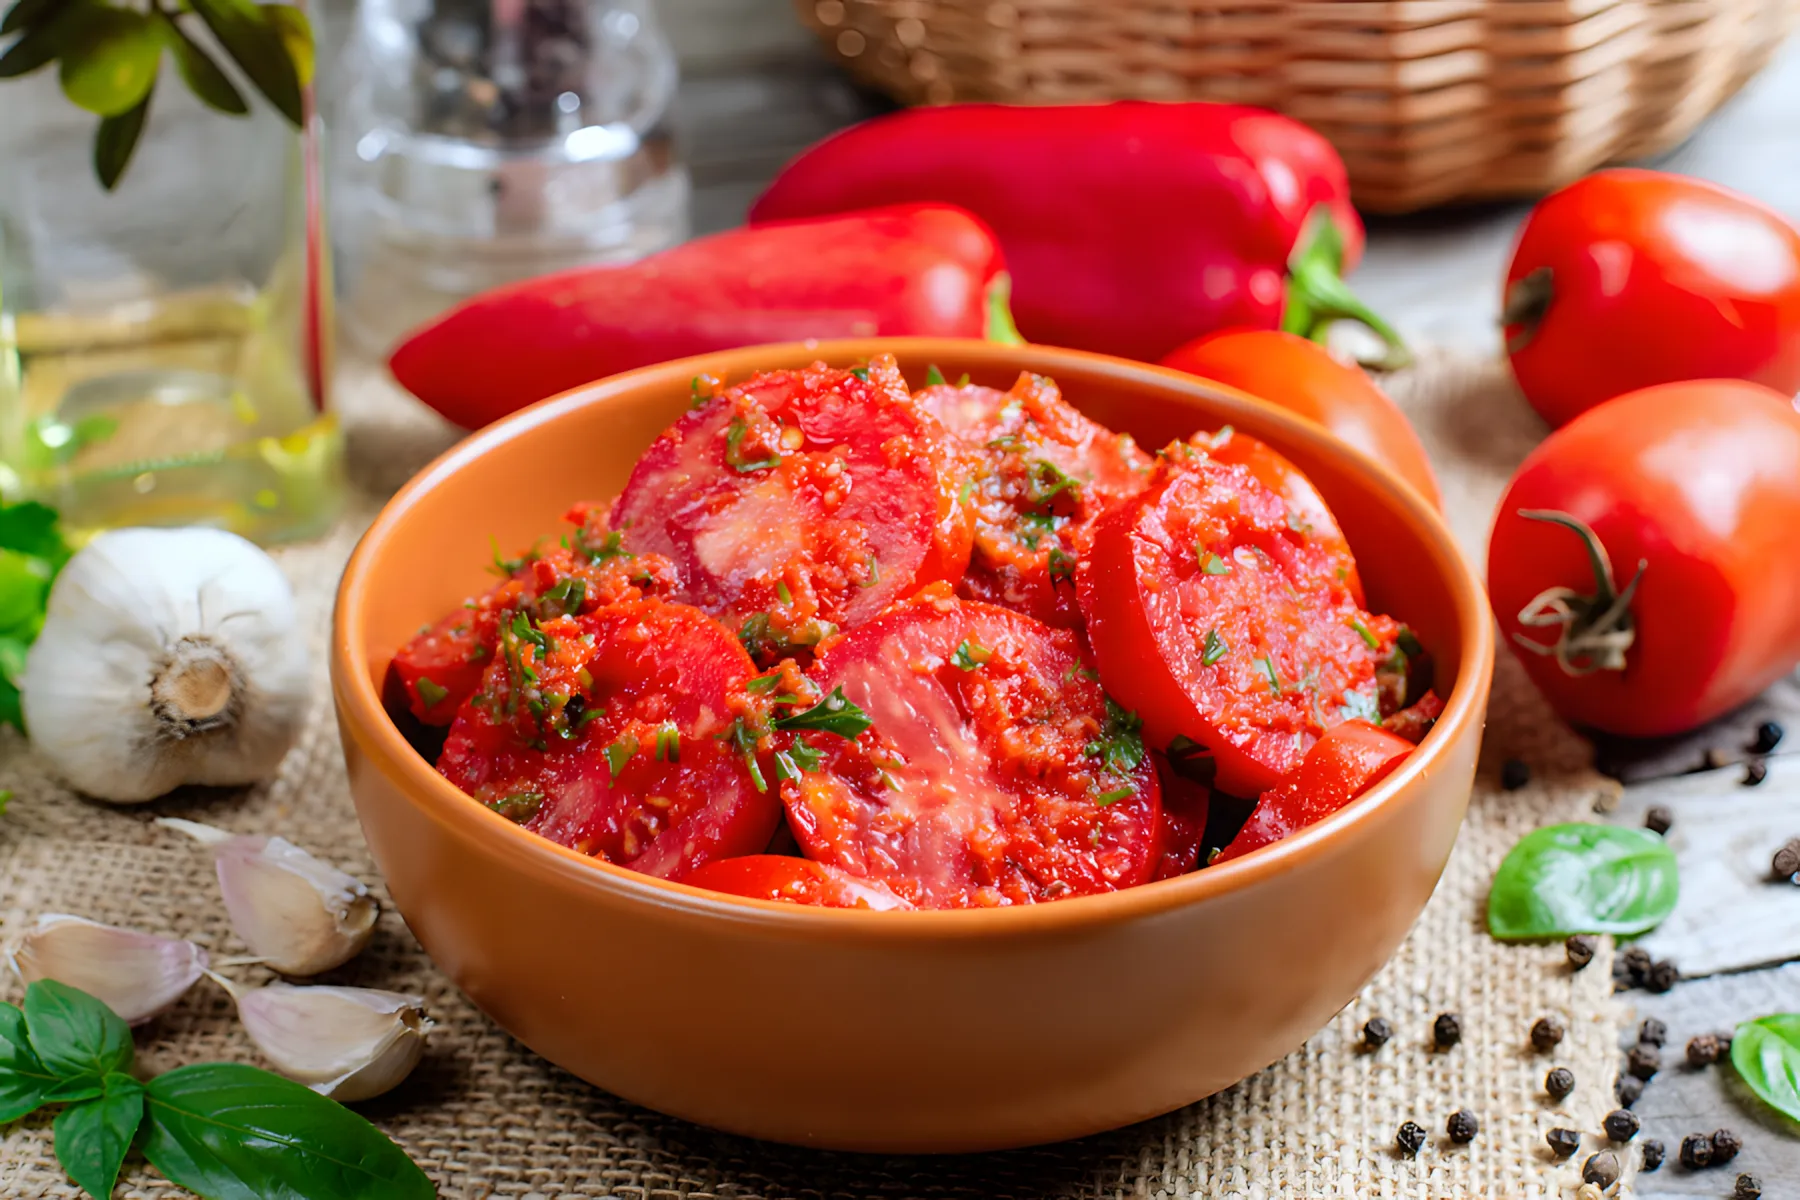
485,1117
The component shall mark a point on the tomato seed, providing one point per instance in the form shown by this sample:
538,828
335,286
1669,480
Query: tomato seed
1563,1142
1560,1082
1658,819
1768,736
1703,1051
1601,1170
1376,1033
1755,771
1725,1146
1514,774
1653,1154
1410,1137
1462,1127
1580,947
1621,1125
1546,1034
1446,1031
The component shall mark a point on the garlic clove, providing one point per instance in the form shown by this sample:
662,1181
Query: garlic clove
343,1042
297,913
137,975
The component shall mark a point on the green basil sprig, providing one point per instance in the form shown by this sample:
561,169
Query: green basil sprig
223,1131
1566,879
1766,1053
32,551
109,56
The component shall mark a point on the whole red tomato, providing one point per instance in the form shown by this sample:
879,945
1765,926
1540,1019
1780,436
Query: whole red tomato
1627,279
1642,561
1303,377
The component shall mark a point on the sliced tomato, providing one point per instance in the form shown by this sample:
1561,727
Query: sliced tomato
1221,620
799,502
615,734
796,880
1350,759
995,770
442,666
1304,504
1042,475
1415,720
1185,805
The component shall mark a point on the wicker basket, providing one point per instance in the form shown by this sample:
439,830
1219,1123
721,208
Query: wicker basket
1427,100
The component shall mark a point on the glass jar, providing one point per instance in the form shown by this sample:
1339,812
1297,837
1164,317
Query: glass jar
165,347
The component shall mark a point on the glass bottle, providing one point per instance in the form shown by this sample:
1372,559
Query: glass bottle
165,347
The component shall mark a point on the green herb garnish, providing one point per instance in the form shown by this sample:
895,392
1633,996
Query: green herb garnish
1267,663
781,590
861,373
610,547
800,757
1033,527
874,572
1408,643
1062,566
1362,631
1212,564
1080,670
734,436
668,742
970,655
429,691
964,380
834,714
1213,649
933,376
620,753
1112,797
1049,481
1360,706
518,807
563,599
1120,745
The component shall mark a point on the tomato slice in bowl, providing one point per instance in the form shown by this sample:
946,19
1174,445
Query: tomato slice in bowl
795,880
1304,504
994,771
1221,620
610,733
1185,805
800,502
1041,475
1349,760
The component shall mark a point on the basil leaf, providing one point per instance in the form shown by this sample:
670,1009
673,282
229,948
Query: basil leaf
93,1136
73,1033
25,1083
109,59
205,78
76,1089
115,141
256,46
232,1132
1567,879
24,586
1766,1053
30,528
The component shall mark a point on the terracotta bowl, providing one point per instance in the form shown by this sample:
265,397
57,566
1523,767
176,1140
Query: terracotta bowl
928,1031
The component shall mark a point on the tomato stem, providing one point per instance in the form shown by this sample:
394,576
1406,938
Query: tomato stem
1317,294
1527,303
1594,631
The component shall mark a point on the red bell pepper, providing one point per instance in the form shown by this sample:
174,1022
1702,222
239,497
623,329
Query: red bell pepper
1129,228
917,269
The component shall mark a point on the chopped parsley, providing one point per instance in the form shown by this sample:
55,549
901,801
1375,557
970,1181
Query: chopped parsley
668,742
1267,663
964,381
620,753
701,388
1006,441
1213,649
518,807
970,655
430,692
756,637
763,683
505,567
874,571
834,714
1360,706
1062,566
799,757
861,373
1033,527
933,376
1212,564
609,547
1362,631
1407,642
1113,797
562,600
734,454
967,490
1120,745
781,590
1079,670
1049,481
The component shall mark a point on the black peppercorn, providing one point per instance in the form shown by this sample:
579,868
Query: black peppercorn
1696,1151
1726,1145
1702,1051
1621,1125
1376,1033
1787,860
1768,736
1462,1127
1749,1187
1546,1033
1755,771
1410,1138
1658,819
1580,947
1446,1030
1636,964
1653,1154
1663,976
1653,1032
1601,1170
1627,1089
1644,1061
1563,1142
1560,1082
1514,774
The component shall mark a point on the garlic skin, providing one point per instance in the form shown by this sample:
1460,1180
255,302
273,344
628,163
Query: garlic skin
343,1042
297,914
168,656
137,975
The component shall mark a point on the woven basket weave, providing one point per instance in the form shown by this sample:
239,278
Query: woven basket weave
1427,100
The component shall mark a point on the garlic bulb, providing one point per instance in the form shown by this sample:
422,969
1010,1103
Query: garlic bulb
343,1042
168,656
296,913
137,975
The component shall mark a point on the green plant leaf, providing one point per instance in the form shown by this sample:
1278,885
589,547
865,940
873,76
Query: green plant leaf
109,59
36,49
93,1136
296,34
75,1089
73,1033
257,47
1566,879
31,528
204,77
25,12
1766,1053
116,139
232,1132
25,1082
24,583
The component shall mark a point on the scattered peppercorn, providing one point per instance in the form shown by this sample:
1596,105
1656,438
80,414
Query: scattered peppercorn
1659,818
1560,1082
1563,1142
1643,1061
1755,771
1696,1151
1546,1033
1653,1154
1514,774
1768,736
1653,1032
1621,1125
1446,1031
1462,1127
1376,1033
1703,1051
1410,1138
1663,976
1636,961
1601,1170
1580,947
1726,1145
1627,1089
1787,859
1749,1187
